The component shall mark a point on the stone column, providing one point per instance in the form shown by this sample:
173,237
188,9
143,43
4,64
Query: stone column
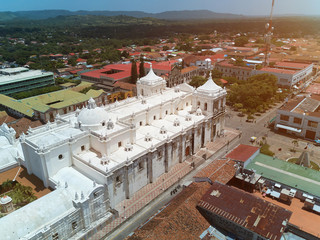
126,181
168,154
151,155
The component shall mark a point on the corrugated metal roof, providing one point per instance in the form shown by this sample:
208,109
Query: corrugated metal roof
16,105
245,209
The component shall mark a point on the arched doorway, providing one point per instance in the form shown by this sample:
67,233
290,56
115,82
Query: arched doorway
187,151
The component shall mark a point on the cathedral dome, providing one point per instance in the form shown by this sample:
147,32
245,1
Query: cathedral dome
210,88
92,116
151,78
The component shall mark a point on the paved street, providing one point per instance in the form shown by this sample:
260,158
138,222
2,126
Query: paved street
279,144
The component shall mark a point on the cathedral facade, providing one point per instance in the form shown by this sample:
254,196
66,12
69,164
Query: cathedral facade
98,156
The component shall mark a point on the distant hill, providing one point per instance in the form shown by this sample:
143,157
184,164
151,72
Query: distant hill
169,15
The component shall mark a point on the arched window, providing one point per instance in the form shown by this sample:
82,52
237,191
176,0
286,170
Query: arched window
205,106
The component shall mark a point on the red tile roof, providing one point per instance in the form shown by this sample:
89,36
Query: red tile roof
122,71
242,152
277,70
292,65
180,219
125,85
226,63
246,210
81,60
223,81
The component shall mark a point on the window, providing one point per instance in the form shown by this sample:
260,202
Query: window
95,194
198,103
154,117
60,156
205,106
74,225
83,148
103,124
55,236
167,112
140,123
159,154
187,104
297,120
312,124
119,144
118,180
284,117
141,166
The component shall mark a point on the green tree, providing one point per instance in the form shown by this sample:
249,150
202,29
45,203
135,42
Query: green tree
142,72
197,81
241,41
216,74
72,61
238,106
134,73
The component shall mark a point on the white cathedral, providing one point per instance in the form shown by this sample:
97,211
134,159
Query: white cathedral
96,157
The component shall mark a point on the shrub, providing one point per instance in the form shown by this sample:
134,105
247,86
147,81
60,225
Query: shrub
265,150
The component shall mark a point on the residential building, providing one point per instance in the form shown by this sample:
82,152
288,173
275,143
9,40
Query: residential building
245,216
14,80
230,70
300,117
288,74
179,76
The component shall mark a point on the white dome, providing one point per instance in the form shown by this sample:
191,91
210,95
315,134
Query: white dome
210,88
151,78
93,115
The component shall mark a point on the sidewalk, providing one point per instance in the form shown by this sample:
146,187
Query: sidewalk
145,195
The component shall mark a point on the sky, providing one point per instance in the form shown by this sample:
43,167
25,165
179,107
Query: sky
245,7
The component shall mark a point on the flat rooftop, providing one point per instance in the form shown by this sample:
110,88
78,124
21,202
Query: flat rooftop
7,79
287,173
246,210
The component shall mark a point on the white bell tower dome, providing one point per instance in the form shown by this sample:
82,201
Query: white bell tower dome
150,84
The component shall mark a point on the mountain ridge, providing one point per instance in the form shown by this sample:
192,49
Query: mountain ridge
167,15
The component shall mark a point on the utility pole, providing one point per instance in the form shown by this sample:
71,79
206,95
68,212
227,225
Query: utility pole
268,36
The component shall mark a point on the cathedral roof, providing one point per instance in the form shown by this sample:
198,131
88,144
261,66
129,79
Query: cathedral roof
210,88
151,78
92,115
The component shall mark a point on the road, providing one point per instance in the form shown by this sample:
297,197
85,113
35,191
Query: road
258,128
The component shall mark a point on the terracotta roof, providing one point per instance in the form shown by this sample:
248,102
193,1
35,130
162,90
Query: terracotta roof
292,65
191,59
113,71
125,85
221,169
242,152
277,70
180,219
223,81
246,210
188,69
226,63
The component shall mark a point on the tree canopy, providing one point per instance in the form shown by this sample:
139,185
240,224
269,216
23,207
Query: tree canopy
254,94
241,41
197,81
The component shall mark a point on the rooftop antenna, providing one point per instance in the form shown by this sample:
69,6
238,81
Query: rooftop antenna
268,36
